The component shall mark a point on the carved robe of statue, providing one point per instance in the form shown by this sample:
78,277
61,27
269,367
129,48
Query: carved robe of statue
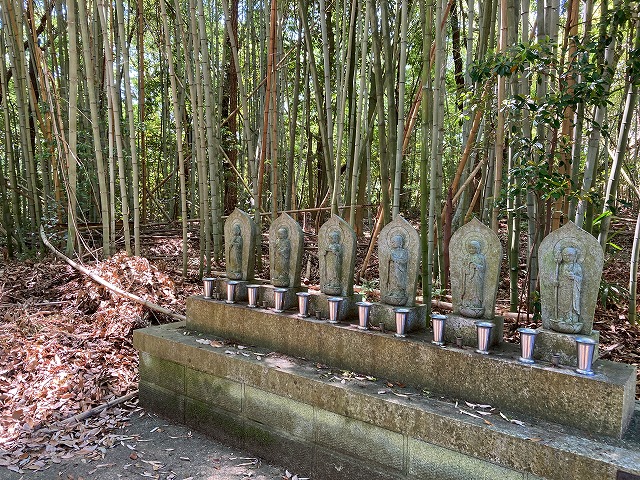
473,281
282,258
568,284
333,265
397,280
234,258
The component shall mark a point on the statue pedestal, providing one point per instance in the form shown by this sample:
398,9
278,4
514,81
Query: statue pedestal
459,326
549,342
290,298
319,301
383,313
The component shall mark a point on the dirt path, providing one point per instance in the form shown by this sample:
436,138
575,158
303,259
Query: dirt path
151,447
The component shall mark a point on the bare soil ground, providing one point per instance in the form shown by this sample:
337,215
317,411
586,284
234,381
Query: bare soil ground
66,347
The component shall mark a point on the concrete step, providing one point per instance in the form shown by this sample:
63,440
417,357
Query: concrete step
328,423
601,404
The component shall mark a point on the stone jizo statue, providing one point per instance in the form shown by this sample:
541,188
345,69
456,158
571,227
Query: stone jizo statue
333,255
282,258
239,245
397,267
472,298
234,257
568,288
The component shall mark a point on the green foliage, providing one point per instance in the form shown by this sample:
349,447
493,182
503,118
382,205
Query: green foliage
611,293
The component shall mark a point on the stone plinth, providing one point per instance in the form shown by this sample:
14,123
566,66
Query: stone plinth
602,404
457,325
549,342
382,313
320,302
287,411
290,298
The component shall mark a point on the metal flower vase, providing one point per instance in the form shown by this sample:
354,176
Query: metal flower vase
278,299
586,348
483,330
401,321
231,291
364,309
527,342
252,294
334,309
303,304
208,284
437,322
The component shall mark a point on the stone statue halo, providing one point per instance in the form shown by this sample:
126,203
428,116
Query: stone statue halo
397,232
559,247
475,238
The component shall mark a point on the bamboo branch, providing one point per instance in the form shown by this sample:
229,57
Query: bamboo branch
110,286
94,411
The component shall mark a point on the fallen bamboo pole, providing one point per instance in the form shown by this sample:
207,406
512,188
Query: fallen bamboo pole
110,286
77,418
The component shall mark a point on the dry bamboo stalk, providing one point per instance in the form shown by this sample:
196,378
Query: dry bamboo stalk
110,286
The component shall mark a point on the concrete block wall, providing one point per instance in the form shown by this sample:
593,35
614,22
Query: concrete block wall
284,411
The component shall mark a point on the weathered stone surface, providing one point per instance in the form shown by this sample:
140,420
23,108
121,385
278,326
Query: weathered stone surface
430,462
359,439
286,244
475,254
549,342
457,325
337,257
602,404
570,269
240,245
213,390
289,416
347,415
399,259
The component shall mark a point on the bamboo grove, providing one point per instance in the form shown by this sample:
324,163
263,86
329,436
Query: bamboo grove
127,113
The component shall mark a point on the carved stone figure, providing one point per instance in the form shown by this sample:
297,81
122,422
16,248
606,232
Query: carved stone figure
240,245
282,258
234,258
397,268
336,256
570,269
474,265
568,288
399,256
472,301
285,251
333,265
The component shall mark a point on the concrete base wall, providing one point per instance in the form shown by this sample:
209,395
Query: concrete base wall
602,404
329,425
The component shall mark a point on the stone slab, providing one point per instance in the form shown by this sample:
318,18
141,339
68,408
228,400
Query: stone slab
549,342
348,414
457,325
600,404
